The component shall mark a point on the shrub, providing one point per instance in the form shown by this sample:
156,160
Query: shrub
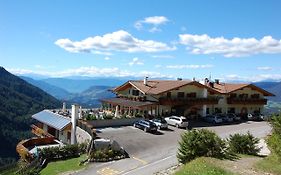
197,143
108,116
274,141
138,115
244,144
64,152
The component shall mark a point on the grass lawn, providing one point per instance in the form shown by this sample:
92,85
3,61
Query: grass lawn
63,166
270,164
203,166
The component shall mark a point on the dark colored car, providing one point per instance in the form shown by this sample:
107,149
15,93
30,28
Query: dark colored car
161,123
146,125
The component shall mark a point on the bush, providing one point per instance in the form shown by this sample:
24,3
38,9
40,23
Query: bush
243,144
64,152
197,143
274,141
102,155
138,115
108,116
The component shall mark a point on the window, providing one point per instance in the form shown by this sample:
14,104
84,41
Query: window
169,94
233,95
135,92
255,96
180,94
208,111
191,95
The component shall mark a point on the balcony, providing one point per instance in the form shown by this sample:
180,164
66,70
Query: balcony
187,101
39,132
256,101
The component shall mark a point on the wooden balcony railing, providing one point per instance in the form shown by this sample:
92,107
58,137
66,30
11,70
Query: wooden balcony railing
258,101
187,101
24,145
39,132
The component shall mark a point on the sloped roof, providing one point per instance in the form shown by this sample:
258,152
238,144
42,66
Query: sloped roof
159,86
226,88
51,119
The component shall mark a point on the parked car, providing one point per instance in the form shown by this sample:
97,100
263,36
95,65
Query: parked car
255,117
213,119
161,123
234,116
177,121
225,118
146,125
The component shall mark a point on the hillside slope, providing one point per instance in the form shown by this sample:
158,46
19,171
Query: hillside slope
273,87
18,101
91,97
55,91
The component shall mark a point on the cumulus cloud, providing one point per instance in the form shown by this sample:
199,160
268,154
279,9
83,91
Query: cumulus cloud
155,21
163,56
236,47
253,78
189,66
116,41
91,71
135,61
107,58
264,68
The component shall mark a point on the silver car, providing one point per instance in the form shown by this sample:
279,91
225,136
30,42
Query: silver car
177,121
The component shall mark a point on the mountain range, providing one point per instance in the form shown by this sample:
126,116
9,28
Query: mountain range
88,95
18,101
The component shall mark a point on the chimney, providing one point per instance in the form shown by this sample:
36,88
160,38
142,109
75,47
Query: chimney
80,112
63,107
217,81
206,81
145,81
74,117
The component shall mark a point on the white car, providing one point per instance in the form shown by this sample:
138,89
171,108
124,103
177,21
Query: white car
177,121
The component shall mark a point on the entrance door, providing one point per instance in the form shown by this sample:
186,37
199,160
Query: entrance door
244,112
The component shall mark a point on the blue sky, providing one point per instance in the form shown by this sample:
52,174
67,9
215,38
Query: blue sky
231,40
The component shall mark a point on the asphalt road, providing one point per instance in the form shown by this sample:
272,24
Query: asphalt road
150,153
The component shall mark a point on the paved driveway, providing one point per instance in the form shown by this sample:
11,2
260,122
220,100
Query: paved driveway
150,153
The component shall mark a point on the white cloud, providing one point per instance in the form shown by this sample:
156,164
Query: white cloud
91,71
189,66
253,78
264,68
163,56
116,41
155,21
135,61
158,66
101,53
107,58
236,47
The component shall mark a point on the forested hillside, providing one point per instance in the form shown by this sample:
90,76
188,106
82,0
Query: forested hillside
18,101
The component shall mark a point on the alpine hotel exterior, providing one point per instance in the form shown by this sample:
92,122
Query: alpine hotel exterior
183,97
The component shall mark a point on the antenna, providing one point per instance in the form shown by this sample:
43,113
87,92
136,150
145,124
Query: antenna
210,76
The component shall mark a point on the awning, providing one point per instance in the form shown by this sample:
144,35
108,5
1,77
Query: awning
128,103
49,118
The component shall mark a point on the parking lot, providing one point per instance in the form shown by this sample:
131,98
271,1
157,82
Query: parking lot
150,152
